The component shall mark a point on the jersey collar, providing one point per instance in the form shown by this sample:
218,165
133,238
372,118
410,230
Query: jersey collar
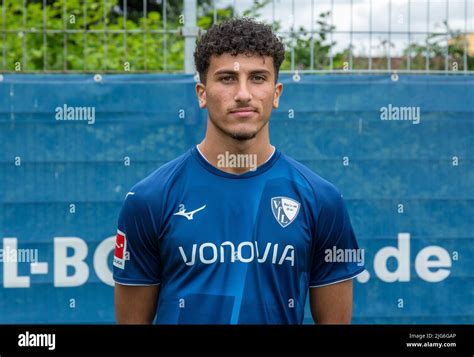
260,169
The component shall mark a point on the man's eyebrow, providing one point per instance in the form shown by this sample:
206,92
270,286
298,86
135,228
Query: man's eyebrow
229,71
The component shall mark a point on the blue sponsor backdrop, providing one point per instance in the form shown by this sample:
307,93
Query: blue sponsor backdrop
408,184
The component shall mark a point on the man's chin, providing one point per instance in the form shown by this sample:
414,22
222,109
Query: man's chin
243,136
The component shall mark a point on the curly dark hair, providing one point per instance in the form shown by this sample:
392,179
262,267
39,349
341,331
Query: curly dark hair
238,36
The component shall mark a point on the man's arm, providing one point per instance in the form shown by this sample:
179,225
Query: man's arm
332,304
135,304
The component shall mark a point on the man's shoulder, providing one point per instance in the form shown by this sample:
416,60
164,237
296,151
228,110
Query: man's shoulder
157,181
320,186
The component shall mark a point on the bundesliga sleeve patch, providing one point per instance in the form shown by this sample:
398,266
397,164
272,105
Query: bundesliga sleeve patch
120,250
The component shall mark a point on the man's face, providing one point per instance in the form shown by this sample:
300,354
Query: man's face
239,94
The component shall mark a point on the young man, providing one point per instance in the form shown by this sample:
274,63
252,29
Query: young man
233,231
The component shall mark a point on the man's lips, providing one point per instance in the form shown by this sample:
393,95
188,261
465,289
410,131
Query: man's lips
244,109
243,112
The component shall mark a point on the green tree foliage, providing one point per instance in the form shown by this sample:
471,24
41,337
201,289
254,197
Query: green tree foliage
101,48
435,50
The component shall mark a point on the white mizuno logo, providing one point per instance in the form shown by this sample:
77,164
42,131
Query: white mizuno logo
130,193
188,215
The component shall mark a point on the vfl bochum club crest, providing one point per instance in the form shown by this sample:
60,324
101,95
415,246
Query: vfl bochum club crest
284,210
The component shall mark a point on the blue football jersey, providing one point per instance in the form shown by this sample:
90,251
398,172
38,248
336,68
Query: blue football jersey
233,248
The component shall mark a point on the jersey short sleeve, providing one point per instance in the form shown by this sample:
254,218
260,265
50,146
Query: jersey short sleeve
336,254
136,256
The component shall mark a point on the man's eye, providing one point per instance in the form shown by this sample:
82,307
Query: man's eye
227,78
259,78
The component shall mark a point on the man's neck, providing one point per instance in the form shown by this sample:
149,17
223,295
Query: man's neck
234,156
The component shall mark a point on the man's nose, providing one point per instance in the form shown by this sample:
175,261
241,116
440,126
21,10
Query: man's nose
243,93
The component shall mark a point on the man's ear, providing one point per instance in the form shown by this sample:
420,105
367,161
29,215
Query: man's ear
201,94
277,94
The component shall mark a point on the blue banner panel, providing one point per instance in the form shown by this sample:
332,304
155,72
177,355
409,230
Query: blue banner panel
399,149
